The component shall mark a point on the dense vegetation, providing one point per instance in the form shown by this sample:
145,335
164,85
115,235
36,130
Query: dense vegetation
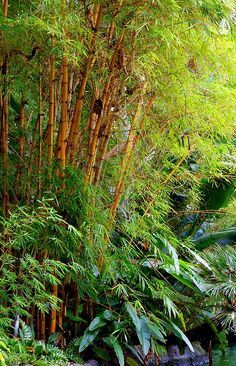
117,153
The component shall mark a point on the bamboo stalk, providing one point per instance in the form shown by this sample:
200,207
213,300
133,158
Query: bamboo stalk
126,160
4,111
31,318
74,130
110,32
92,150
61,308
130,146
21,120
141,126
4,106
5,156
1,115
91,122
104,142
5,8
61,151
70,92
58,93
33,145
122,174
42,327
37,323
53,320
76,119
40,145
51,121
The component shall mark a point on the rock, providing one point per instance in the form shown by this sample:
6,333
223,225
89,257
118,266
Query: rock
91,363
188,358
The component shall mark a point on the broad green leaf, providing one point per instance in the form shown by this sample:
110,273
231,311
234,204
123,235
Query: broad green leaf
108,315
178,332
96,323
144,335
182,277
112,342
156,333
135,353
131,361
119,325
174,255
199,259
134,316
208,239
101,353
87,339
53,337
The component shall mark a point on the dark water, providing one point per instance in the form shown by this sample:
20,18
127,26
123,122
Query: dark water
229,359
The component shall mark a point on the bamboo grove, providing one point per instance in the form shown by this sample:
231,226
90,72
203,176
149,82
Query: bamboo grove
106,107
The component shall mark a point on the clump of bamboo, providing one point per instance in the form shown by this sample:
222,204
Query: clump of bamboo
89,62
4,127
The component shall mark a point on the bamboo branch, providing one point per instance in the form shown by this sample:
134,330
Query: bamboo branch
104,141
92,150
74,129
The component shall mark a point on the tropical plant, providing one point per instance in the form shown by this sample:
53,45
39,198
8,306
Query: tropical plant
26,350
221,284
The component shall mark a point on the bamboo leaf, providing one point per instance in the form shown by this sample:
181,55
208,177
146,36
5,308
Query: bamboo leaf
136,320
113,343
144,335
97,322
87,339
101,353
178,333
108,315
156,333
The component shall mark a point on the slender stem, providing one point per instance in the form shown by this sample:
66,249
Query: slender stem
51,122
40,145
53,321
22,127
5,8
64,120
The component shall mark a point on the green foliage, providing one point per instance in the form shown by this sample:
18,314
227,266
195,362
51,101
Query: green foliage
147,283
26,278
220,284
23,351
